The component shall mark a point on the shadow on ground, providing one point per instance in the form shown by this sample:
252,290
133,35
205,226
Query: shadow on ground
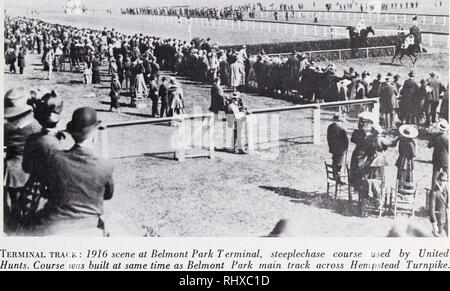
316,199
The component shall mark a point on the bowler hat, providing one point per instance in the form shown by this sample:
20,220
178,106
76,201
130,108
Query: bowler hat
84,120
338,117
15,103
411,74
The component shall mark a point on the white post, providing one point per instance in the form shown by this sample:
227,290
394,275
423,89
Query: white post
268,26
180,149
434,20
262,26
424,19
286,29
278,27
431,40
332,15
305,30
376,108
316,125
395,17
325,31
315,30
211,136
295,29
251,126
387,18
404,18
378,17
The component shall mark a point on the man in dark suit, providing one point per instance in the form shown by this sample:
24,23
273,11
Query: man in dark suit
79,181
439,205
217,97
440,152
409,93
337,144
163,93
438,88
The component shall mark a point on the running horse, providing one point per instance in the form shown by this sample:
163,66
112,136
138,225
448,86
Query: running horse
358,40
406,46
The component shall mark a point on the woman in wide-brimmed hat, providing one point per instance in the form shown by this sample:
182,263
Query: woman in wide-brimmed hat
407,152
19,125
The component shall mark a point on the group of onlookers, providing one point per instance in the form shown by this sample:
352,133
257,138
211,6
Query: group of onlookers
368,162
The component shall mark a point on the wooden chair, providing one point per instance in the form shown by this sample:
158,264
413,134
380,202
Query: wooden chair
332,181
404,195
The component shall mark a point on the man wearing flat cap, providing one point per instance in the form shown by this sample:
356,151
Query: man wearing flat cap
337,144
79,180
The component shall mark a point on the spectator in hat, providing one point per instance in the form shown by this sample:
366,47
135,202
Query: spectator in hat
407,152
39,145
21,59
236,119
409,96
115,93
432,105
337,144
19,124
79,180
163,94
374,147
375,89
217,97
176,98
365,122
153,95
439,143
439,205
388,101
95,63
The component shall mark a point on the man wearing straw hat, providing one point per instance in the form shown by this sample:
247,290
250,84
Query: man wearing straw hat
439,205
337,144
439,143
79,180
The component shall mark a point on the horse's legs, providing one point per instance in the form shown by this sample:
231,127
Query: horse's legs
401,57
412,60
393,58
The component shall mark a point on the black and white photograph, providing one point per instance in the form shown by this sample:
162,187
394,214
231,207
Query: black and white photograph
240,118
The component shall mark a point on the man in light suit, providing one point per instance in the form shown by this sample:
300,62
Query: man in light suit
78,180
438,88
337,144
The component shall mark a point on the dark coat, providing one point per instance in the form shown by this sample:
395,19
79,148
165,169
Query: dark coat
440,153
409,93
217,98
337,139
79,181
388,98
14,140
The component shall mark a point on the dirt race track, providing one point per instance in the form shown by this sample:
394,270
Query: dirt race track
231,195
